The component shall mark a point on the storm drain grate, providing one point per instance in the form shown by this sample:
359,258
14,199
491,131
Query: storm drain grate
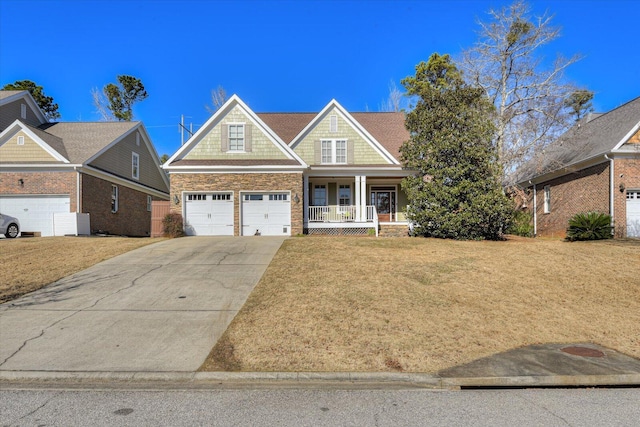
583,351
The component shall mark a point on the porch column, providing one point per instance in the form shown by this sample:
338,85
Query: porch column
357,198
363,196
305,200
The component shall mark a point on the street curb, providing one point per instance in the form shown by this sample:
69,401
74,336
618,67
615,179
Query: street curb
311,379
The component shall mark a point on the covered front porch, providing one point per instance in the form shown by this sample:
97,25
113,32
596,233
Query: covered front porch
352,205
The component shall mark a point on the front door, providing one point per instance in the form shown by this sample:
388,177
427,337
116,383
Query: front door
384,199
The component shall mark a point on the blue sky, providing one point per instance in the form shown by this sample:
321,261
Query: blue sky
281,55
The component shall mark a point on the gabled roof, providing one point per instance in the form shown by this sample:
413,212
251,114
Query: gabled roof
9,96
293,160
387,128
49,143
84,140
587,140
358,127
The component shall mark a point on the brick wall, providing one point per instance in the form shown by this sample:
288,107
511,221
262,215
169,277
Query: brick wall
627,172
237,182
132,217
582,191
40,183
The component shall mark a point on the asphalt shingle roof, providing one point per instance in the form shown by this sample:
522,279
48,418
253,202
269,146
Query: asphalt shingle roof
586,140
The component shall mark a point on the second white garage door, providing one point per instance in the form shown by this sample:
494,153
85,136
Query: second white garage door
266,214
633,213
209,214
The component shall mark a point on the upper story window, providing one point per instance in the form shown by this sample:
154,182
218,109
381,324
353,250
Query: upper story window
334,151
333,123
547,199
236,137
135,165
20,140
23,111
138,139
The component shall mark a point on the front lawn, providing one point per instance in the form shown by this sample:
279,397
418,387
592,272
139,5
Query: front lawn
422,305
28,264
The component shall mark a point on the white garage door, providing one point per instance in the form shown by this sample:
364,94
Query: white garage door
633,213
35,212
267,214
209,214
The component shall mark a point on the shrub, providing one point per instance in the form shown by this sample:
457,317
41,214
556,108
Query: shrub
172,225
590,226
522,224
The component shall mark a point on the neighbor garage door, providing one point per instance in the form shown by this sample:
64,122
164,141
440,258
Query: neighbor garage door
35,213
209,214
633,213
266,214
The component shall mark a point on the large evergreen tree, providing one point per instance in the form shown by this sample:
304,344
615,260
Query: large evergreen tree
46,104
456,192
116,100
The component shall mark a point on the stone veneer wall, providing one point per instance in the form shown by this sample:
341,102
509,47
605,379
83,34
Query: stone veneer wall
236,182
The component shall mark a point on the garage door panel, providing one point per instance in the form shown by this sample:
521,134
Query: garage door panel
633,213
35,212
268,214
209,214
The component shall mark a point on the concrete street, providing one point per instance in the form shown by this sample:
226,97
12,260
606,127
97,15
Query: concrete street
159,308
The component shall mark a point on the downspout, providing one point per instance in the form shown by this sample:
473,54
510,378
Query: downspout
78,200
535,211
611,189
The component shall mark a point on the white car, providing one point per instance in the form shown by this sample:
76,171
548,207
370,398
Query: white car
9,226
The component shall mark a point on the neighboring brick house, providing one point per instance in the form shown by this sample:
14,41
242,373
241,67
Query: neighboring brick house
332,172
595,166
109,170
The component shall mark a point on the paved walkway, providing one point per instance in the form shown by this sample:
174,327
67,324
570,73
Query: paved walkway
160,308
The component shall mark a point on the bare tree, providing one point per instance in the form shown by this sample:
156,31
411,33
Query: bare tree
530,96
394,102
102,105
218,98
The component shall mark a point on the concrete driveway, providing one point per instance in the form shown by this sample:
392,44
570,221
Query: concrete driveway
158,308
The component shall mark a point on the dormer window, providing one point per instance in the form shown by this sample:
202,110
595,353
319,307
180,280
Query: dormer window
236,137
334,151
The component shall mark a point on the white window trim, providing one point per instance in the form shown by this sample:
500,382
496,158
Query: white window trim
114,198
244,137
135,165
334,151
547,199
149,200
20,140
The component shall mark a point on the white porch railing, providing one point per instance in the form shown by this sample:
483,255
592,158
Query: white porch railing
341,214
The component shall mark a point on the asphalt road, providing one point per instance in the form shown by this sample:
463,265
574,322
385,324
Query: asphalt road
316,407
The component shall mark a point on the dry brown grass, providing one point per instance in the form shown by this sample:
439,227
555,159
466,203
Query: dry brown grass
29,264
422,305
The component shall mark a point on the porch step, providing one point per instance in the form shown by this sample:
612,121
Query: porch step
387,230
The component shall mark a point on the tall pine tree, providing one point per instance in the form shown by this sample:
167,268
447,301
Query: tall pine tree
456,192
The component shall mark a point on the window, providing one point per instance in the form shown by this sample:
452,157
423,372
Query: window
21,140
135,165
282,197
334,151
333,124
236,137
114,199
344,195
23,111
221,197
255,197
320,195
138,139
149,200
195,197
547,199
